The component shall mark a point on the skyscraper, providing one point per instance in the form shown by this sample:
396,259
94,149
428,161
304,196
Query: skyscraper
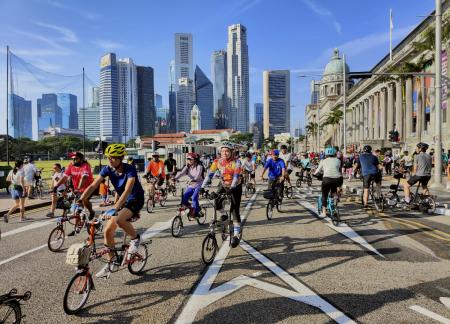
219,80
238,77
185,101
95,97
259,113
183,57
92,119
171,118
49,113
257,128
68,104
158,101
109,98
276,94
128,99
314,88
19,122
204,99
146,104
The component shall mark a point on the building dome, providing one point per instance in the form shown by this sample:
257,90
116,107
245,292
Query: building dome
335,66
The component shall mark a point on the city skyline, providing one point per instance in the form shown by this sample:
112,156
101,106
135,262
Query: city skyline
363,46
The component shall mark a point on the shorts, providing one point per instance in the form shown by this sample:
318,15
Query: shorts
367,179
422,179
252,175
135,205
17,194
28,183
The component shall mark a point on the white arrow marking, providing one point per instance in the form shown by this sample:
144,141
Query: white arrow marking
430,314
445,301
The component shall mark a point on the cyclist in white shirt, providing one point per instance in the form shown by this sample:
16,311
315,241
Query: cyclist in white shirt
58,174
287,158
249,167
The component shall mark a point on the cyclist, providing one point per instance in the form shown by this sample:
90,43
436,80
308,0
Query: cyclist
277,171
155,169
422,168
128,201
230,169
287,158
194,171
407,161
370,167
57,174
330,166
171,165
248,168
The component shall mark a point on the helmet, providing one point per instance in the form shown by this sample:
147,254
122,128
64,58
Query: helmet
276,152
191,156
367,148
422,146
227,145
330,151
115,150
155,153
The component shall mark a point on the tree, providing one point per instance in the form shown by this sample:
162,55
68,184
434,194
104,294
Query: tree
242,138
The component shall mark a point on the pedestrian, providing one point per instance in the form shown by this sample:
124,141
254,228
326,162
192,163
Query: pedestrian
29,172
57,175
387,161
103,192
16,177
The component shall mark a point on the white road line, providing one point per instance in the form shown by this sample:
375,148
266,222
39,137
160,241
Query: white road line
445,301
343,229
22,254
430,314
28,228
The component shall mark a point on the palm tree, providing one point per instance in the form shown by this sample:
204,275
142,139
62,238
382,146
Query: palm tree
311,129
334,118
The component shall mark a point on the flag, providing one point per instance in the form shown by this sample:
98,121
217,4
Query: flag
391,23
391,27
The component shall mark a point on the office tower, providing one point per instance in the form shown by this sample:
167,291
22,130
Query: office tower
204,99
219,80
276,94
146,97
259,113
314,88
238,78
128,99
68,104
158,101
49,113
109,98
183,57
185,101
196,118
171,117
90,115
95,97
20,117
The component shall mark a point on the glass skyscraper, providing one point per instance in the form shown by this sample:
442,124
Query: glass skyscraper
146,101
219,80
19,123
259,113
204,99
185,102
49,113
109,98
276,94
128,99
68,104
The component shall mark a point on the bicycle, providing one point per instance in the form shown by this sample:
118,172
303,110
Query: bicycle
171,187
209,244
332,207
275,199
10,310
300,177
177,222
77,218
249,186
81,255
425,203
40,188
378,200
159,196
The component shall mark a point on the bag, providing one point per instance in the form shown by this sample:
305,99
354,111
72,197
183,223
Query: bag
268,194
78,255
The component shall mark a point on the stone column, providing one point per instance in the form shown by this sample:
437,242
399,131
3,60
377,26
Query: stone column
382,105
370,117
354,125
366,119
357,137
390,108
361,120
409,108
376,115
419,112
399,121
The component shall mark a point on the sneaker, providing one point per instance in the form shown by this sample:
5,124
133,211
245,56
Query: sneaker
5,218
104,273
71,233
366,206
234,241
322,215
50,214
134,245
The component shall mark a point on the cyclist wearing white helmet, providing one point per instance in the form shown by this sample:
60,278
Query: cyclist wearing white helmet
332,176
230,170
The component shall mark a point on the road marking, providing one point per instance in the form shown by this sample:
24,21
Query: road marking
430,314
445,301
22,254
343,228
28,228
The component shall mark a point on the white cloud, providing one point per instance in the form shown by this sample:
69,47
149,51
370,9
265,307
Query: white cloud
82,13
67,34
54,47
108,44
323,12
246,5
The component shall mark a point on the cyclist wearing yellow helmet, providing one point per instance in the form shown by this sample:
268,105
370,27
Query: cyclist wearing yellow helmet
128,201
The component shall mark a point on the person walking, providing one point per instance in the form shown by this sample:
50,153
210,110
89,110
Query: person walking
16,177
29,171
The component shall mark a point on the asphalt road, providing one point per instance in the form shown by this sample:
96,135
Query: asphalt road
390,267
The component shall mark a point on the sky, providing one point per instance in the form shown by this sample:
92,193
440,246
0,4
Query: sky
62,37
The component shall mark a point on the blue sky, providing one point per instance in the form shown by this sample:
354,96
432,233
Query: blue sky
299,35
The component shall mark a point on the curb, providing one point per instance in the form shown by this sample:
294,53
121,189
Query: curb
30,207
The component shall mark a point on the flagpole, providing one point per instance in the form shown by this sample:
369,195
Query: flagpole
390,34
7,104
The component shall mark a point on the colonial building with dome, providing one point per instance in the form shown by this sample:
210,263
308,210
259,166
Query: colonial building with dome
384,103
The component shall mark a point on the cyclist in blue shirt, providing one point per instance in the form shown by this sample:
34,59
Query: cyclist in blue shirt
128,201
370,171
277,169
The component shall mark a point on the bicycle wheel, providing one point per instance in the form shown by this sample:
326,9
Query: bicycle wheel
378,202
150,205
174,191
298,183
289,191
427,205
177,226
247,192
269,210
335,218
309,181
163,199
77,293
56,239
209,248
138,260
201,220
10,312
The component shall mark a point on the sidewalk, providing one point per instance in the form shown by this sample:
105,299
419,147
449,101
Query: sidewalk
6,202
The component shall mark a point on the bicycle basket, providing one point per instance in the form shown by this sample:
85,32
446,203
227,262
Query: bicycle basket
62,203
78,255
268,194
